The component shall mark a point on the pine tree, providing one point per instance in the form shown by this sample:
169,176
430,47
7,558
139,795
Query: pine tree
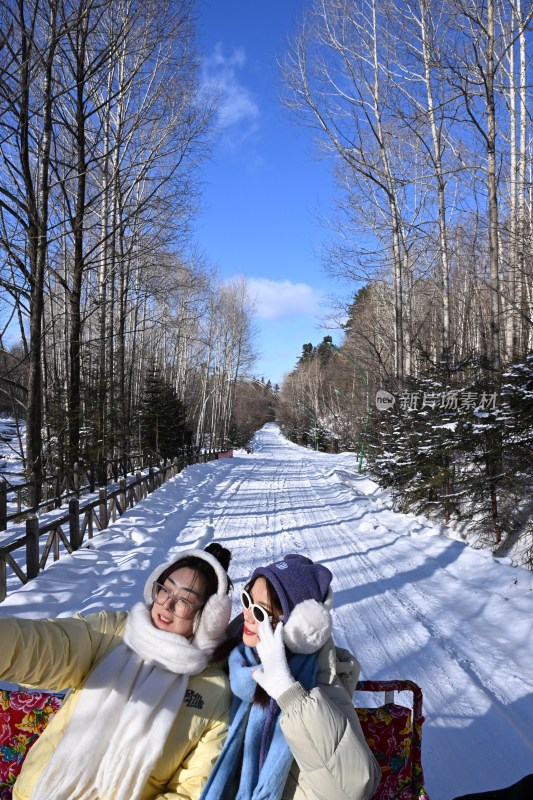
162,417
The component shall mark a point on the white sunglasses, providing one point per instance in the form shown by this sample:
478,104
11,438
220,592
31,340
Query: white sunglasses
259,613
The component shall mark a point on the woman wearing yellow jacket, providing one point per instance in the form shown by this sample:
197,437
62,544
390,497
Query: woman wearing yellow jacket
146,714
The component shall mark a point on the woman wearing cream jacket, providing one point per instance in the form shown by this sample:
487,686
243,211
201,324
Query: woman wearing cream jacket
146,716
294,733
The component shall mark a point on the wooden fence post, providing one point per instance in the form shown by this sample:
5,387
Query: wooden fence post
3,505
138,487
3,578
74,523
123,495
58,488
32,546
102,493
76,478
101,472
32,498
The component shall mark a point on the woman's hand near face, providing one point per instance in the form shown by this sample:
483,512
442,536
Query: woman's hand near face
275,677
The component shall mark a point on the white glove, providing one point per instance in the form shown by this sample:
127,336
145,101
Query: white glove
275,677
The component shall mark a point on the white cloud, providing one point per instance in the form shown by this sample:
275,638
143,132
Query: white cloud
236,104
283,299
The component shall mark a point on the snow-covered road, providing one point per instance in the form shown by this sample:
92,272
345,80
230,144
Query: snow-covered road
409,601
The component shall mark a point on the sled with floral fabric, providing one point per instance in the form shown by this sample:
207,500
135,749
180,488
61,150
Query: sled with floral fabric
392,731
23,717
394,734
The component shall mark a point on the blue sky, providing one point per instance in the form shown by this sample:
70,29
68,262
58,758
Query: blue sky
265,190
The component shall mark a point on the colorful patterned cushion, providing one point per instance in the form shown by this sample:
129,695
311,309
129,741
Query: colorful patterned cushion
23,716
389,732
394,734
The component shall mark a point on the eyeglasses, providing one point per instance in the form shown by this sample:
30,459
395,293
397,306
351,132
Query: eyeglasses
178,606
259,613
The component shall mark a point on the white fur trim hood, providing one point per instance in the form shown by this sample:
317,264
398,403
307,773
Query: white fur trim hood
215,615
309,626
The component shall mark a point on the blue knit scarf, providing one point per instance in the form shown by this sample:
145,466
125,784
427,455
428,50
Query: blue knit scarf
255,741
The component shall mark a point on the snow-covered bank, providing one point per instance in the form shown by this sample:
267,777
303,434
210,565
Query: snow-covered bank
11,446
409,601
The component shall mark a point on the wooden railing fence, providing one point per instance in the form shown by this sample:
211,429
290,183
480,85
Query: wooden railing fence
68,531
59,487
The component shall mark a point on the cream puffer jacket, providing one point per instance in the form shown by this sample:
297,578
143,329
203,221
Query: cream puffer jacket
59,654
332,760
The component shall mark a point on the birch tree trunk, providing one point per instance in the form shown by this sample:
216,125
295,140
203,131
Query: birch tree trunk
37,202
494,260
80,51
437,156
521,330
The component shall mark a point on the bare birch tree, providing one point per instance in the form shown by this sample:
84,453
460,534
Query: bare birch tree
341,80
29,92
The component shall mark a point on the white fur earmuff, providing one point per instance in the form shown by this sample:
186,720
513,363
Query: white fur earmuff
308,627
213,623
202,554
215,615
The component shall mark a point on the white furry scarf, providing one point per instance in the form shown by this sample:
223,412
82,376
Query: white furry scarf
124,715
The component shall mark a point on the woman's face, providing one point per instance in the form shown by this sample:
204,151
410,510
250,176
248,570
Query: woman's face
178,602
259,595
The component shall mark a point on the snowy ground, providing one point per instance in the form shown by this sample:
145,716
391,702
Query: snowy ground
11,464
410,602
10,450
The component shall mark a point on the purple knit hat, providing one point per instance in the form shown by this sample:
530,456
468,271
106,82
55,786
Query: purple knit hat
296,578
303,589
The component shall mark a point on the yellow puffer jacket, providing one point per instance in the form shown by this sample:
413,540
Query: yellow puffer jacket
59,654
